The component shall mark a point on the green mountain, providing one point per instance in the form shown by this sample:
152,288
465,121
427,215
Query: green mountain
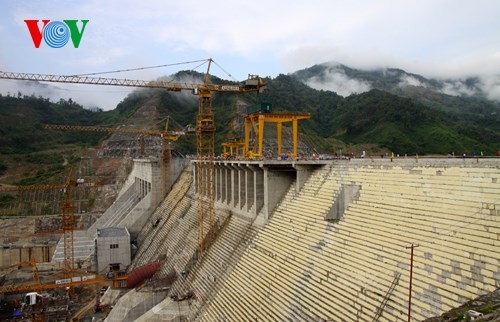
28,151
403,119
396,123
462,96
405,126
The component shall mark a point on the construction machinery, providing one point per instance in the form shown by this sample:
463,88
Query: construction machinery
166,137
205,124
37,285
233,149
68,212
35,296
256,122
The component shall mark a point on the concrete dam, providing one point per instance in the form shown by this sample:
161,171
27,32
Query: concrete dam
318,241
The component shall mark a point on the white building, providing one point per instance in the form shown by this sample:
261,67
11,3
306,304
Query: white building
113,249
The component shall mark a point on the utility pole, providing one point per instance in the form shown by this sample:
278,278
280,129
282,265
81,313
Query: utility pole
411,279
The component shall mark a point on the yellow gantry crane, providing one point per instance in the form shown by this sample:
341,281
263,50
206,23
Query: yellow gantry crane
233,149
205,123
257,121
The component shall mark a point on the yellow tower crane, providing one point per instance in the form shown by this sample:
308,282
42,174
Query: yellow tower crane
68,212
205,124
166,137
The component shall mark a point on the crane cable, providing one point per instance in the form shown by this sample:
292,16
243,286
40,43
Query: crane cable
140,68
202,61
228,74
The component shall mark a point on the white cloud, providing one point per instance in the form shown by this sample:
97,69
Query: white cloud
491,86
457,88
109,97
337,81
447,38
408,80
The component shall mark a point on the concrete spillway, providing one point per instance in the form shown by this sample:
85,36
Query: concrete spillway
326,240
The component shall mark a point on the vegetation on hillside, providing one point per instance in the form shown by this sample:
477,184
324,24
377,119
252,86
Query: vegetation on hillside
394,123
405,126
469,120
25,146
413,120
23,117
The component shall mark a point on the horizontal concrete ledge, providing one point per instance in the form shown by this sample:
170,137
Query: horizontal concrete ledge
401,161
253,188
262,163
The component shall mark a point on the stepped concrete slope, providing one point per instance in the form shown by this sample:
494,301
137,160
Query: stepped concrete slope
136,201
151,239
335,247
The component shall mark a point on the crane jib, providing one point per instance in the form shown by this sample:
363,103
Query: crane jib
230,88
172,86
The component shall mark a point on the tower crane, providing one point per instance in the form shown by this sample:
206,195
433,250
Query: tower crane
166,137
34,188
35,288
68,213
205,124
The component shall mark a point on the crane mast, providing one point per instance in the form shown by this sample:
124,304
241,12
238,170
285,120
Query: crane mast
205,124
205,131
166,137
68,213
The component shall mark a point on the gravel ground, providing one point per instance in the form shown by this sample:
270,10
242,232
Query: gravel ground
488,305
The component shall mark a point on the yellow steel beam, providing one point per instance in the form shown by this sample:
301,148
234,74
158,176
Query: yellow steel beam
258,120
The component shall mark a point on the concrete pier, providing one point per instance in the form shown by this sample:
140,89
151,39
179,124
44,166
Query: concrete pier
253,189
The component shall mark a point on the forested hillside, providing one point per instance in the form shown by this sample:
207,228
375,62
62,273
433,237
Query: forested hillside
32,154
395,123
409,120
461,115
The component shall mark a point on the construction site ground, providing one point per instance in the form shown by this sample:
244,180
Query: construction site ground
62,303
23,236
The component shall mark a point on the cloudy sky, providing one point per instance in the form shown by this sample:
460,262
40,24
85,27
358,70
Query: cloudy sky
434,38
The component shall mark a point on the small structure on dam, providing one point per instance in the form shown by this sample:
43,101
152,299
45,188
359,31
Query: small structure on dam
113,249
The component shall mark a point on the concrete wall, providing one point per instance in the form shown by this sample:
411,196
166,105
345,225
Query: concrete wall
347,194
147,177
277,184
12,256
300,266
137,217
112,249
132,305
143,184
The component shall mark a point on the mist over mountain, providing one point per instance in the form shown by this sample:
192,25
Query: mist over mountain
346,81
351,111
89,96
